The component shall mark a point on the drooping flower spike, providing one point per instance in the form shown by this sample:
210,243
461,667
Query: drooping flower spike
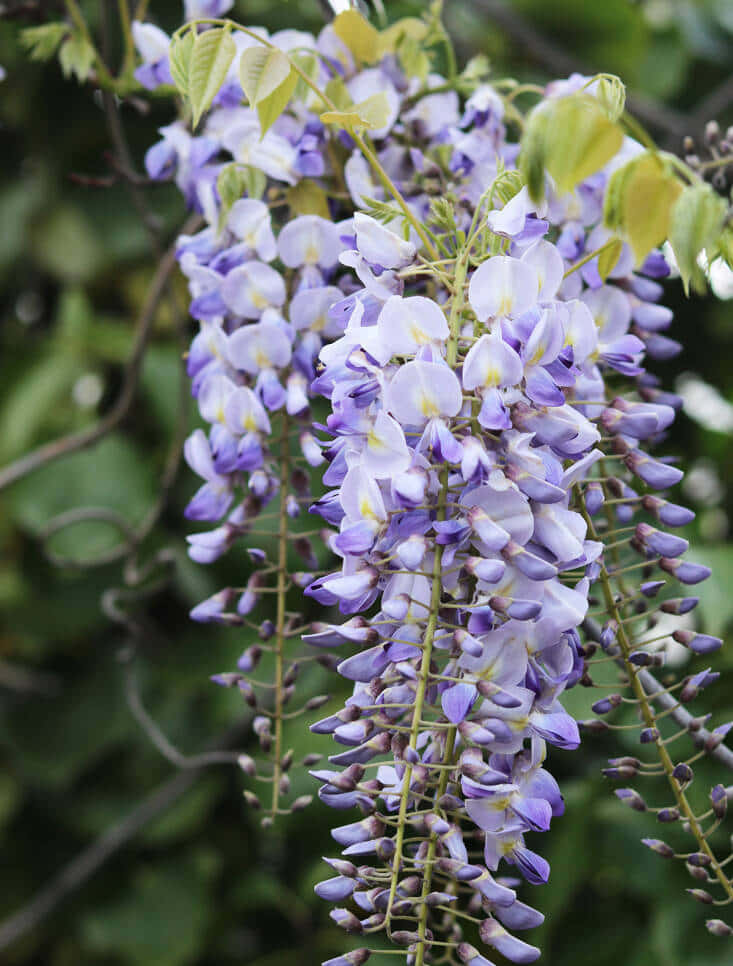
484,361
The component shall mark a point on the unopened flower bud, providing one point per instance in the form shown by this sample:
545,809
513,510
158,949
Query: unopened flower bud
701,895
247,764
661,848
630,797
668,815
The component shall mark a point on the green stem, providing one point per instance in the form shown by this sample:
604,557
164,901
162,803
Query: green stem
626,646
129,44
280,620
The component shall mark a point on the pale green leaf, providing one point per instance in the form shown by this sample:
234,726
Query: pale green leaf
649,192
307,198
696,223
533,153
231,186
212,54
611,95
270,109
608,257
391,37
579,139
43,41
76,57
261,72
180,60
369,114
358,35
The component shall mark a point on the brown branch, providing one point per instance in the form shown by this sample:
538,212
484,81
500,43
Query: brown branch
712,105
156,736
88,437
91,859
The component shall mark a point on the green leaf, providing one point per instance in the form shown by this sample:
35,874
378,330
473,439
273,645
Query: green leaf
413,58
358,35
212,53
180,60
579,139
369,114
42,42
611,95
648,199
696,224
270,109
608,257
639,201
262,70
231,185
307,198
533,153
76,57
391,37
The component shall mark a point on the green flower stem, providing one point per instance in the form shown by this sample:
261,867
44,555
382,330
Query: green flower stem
418,707
626,646
283,585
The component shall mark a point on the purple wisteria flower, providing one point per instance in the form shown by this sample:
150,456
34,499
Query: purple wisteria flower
482,456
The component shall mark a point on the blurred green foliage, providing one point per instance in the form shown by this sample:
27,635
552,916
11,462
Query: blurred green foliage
202,883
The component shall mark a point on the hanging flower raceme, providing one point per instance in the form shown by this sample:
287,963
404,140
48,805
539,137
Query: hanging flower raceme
457,538
481,336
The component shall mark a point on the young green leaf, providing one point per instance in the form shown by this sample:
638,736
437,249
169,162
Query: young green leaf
649,191
611,95
261,71
76,57
212,54
579,139
391,37
180,60
369,114
42,42
270,109
358,35
231,186
608,257
533,153
306,198
695,224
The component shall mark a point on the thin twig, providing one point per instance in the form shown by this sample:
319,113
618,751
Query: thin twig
90,860
88,437
161,742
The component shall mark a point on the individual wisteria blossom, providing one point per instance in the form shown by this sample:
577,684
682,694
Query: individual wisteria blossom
487,471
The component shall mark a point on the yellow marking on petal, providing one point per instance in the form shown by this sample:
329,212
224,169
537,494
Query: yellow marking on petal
505,306
258,300
428,407
312,254
417,334
262,359
374,441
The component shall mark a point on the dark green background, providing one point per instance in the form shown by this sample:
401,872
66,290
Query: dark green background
203,884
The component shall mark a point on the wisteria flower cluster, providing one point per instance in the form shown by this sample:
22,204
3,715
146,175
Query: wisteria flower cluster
478,313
